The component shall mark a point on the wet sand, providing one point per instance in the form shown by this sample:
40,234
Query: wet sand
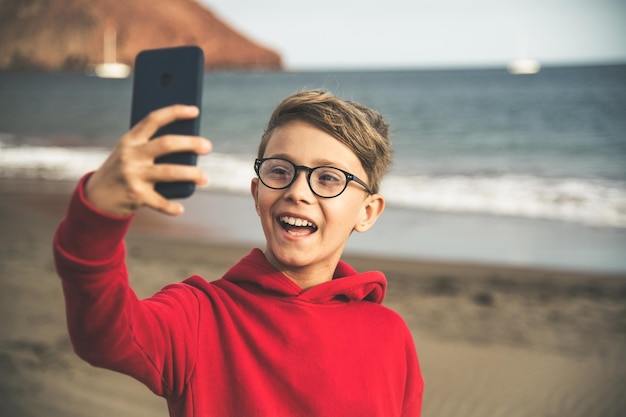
492,340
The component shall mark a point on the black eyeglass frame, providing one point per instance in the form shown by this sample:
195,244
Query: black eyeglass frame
309,171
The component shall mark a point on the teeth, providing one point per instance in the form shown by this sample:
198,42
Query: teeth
296,222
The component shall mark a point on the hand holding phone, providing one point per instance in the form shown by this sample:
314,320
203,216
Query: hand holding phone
125,181
163,77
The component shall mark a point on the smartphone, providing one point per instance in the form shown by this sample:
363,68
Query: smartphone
163,77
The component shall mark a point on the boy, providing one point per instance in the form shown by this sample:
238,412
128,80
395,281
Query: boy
288,331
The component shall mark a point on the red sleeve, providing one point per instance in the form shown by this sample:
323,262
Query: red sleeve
153,340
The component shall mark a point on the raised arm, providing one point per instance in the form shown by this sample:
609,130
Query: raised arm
109,326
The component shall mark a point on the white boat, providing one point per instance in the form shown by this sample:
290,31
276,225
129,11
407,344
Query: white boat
523,65
110,68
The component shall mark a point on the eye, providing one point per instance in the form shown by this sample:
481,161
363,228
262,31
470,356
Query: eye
329,176
277,170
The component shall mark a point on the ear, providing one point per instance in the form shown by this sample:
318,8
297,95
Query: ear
372,208
254,189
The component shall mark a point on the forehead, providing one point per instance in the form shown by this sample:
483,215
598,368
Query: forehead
306,144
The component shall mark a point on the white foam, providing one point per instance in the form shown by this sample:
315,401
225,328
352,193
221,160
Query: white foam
50,162
228,172
587,201
598,202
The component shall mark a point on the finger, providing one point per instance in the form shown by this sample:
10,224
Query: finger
176,172
167,144
158,202
156,119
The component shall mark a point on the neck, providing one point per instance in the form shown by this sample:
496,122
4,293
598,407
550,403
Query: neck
305,276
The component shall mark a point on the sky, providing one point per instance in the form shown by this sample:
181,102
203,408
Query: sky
357,34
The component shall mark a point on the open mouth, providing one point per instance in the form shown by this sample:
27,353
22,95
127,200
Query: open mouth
297,226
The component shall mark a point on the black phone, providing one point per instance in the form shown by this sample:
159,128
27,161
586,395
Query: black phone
163,77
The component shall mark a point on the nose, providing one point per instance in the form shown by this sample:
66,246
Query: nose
299,190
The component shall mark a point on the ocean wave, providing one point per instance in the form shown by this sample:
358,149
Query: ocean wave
49,162
595,202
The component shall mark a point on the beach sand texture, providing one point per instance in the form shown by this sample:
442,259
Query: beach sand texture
492,341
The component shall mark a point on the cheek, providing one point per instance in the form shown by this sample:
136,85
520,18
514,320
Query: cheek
264,202
341,216
261,206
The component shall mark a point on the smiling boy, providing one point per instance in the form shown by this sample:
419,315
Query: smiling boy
287,331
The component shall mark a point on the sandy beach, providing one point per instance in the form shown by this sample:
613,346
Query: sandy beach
492,340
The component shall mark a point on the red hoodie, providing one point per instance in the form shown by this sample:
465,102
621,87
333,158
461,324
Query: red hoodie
250,344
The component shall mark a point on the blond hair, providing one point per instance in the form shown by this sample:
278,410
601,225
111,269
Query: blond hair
360,128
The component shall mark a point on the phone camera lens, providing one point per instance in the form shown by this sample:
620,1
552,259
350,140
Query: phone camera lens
166,80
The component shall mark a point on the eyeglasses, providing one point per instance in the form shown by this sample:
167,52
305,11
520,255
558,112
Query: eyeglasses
324,181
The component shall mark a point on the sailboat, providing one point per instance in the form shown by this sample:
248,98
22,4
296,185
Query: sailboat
110,68
523,65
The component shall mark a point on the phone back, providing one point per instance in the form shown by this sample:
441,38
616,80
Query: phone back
163,77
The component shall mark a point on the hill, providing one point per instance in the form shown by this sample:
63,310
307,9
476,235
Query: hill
68,35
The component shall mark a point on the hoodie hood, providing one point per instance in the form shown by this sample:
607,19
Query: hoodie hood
255,273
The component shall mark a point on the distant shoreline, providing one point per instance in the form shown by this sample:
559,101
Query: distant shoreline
502,67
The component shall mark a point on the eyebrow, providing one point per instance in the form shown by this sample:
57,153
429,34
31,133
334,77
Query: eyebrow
317,162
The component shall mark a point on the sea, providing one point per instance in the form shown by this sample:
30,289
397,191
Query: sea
489,167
